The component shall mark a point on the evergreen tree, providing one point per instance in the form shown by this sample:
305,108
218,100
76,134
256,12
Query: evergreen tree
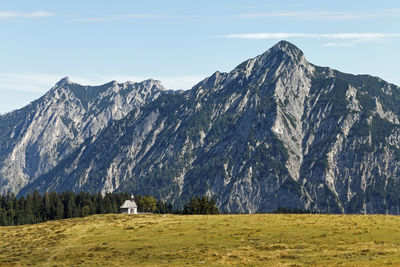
46,207
200,205
147,204
37,206
163,207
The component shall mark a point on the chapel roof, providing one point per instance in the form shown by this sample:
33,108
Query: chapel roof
128,204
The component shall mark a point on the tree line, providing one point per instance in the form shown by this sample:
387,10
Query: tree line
37,208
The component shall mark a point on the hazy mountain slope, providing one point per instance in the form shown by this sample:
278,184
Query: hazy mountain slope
34,139
276,131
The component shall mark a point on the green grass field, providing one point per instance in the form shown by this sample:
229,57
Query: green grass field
153,240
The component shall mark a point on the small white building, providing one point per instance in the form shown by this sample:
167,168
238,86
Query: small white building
129,207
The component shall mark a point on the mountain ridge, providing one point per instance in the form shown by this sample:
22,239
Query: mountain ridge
276,131
65,116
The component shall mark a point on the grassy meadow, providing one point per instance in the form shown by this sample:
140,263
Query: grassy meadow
205,240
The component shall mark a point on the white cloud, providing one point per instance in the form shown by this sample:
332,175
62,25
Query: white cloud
28,82
304,15
127,17
323,15
283,35
349,38
345,44
15,14
116,17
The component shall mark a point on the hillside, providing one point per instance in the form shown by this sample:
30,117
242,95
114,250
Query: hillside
173,240
276,131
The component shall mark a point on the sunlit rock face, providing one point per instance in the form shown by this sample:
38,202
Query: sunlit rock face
36,138
277,131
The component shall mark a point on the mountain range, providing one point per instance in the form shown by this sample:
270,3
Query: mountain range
275,132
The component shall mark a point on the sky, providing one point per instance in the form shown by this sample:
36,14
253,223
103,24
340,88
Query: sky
182,42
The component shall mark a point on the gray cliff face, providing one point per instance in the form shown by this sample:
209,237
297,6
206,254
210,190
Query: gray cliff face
50,128
277,131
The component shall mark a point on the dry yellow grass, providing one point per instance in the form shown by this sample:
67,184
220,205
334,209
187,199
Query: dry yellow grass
154,240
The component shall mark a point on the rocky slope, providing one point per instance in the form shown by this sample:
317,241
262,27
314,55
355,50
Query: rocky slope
277,131
36,138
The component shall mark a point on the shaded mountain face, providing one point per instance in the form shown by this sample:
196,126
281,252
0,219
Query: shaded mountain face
275,132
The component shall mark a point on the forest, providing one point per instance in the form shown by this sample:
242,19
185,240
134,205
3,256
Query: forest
37,208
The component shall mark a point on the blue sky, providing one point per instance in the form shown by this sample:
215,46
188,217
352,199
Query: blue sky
182,42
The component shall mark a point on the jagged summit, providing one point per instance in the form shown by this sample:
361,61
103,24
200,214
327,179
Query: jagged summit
289,50
63,81
282,58
152,83
149,83
282,61
285,46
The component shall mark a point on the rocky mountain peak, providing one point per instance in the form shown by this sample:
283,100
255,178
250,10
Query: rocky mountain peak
286,47
283,58
281,54
284,52
63,81
153,84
